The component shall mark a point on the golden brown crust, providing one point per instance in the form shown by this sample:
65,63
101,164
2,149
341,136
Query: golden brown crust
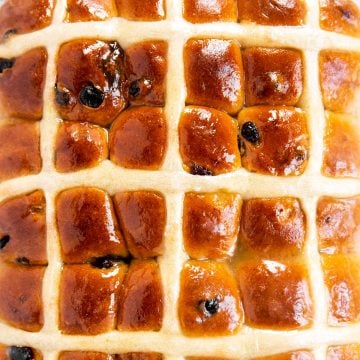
79,146
21,296
207,140
22,86
138,138
199,11
20,149
142,216
89,299
209,300
141,298
273,12
87,225
18,16
210,224
214,74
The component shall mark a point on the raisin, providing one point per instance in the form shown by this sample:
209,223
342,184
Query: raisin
250,132
23,261
116,50
345,13
134,89
20,353
200,170
210,307
6,64
105,262
3,241
62,97
9,32
91,96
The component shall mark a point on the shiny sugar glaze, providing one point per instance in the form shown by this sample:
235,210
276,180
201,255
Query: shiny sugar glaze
20,149
23,229
209,300
211,224
26,75
141,298
79,146
207,146
87,225
277,141
273,226
341,16
90,83
273,76
15,19
147,209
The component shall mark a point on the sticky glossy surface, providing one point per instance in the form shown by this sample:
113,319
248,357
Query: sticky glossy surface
342,146
273,12
340,80
141,298
293,355
21,296
79,146
138,138
141,356
84,63
342,16
342,278
214,74
90,10
20,149
275,295
22,220
139,10
273,226
142,216
283,146
211,224
338,224
87,225
272,76
146,67
202,282
344,352
85,355
201,11
19,16
208,138
89,298
22,85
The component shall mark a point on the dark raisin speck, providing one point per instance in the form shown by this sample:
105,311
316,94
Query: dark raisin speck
23,261
62,97
10,32
210,307
6,64
20,353
117,50
200,170
345,13
250,132
104,262
328,220
91,96
134,89
3,241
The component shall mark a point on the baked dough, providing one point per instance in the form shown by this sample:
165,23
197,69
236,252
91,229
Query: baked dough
179,179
